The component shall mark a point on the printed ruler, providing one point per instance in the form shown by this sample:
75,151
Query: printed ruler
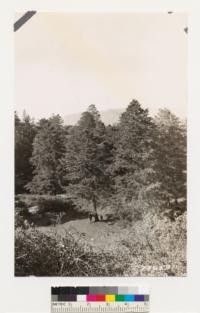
99,300
106,307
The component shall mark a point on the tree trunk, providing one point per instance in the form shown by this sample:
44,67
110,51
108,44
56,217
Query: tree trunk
95,209
94,204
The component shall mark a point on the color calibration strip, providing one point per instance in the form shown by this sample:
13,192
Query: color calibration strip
99,300
99,294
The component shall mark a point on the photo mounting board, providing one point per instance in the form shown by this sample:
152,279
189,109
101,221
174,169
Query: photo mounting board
31,294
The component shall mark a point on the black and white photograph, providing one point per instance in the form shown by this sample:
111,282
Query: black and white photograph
100,144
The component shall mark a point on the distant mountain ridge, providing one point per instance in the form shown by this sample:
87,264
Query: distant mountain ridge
108,117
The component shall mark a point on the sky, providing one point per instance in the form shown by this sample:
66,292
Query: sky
66,61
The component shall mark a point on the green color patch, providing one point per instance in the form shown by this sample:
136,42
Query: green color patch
119,298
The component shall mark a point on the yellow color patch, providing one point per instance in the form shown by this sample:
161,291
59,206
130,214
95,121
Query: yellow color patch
110,298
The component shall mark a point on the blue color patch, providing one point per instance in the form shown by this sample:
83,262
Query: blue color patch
139,297
129,298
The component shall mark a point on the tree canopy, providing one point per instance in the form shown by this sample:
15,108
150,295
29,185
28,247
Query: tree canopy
47,156
133,164
25,131
140,157
170,155
87,159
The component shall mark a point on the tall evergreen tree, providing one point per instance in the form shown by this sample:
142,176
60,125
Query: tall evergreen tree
47,157
25,131
95,113
133,166
88,157
170,154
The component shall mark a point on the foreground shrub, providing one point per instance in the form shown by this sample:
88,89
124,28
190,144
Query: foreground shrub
40,254
157,246
172,238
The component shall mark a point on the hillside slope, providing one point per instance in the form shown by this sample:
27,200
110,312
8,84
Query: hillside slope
108,117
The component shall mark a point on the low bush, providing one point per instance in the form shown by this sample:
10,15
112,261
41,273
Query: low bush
40,254
132,210
157,246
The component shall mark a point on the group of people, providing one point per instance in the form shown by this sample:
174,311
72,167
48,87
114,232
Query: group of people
96,217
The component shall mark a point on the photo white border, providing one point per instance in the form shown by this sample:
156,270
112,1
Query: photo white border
168,294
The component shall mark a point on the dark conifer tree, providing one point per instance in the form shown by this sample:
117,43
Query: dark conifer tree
133,166
88,157
25,131
47,157
170,155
